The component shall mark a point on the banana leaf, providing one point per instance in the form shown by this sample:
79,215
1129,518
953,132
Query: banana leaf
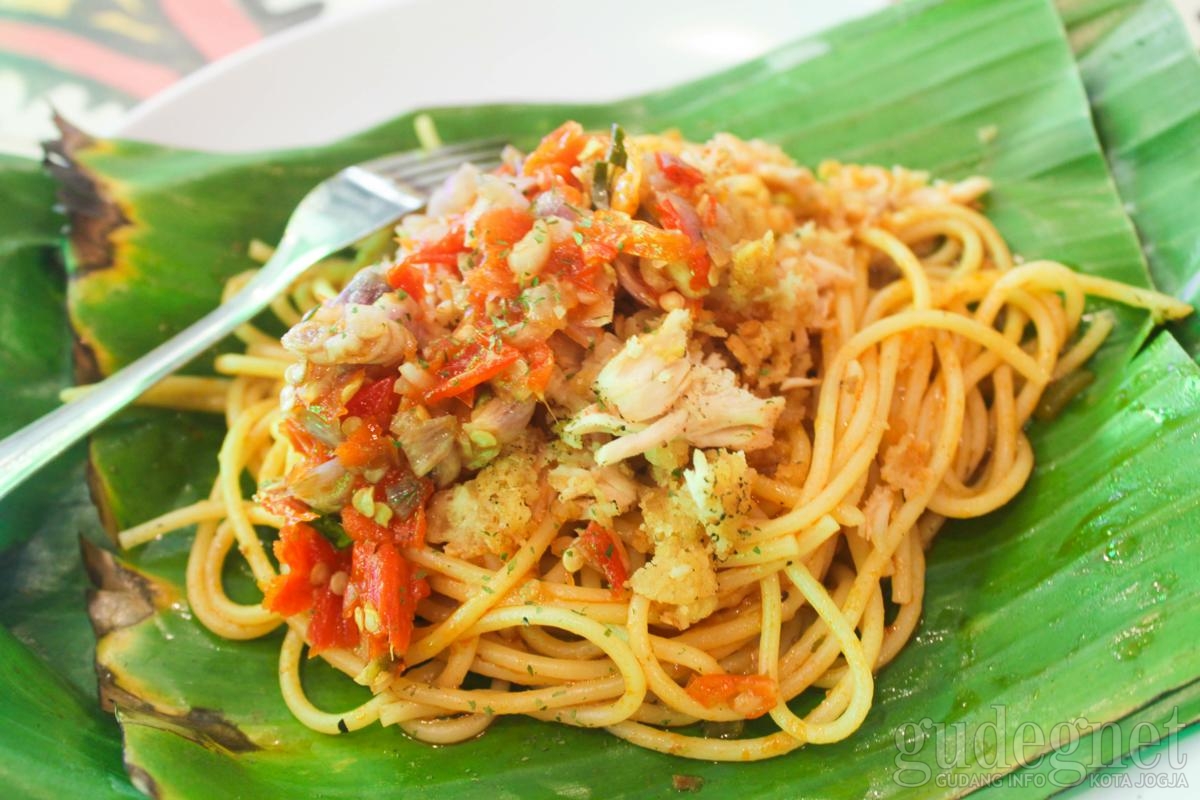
1020,607
1142,75
57,743
35,359
46,709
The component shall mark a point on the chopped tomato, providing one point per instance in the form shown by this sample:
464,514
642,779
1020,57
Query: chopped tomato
638,238
570,193
497,230
366,447
442,251
605,238
406,532
597,252
418,590
540,359
678,172
410,532
311,563
382,579
708,210
557,153
668,214
438,251
376,401
671,218
577,264
310,560
602,549
408,274
408,278
362,528
309,446
330,627
474,364
753,695
700,266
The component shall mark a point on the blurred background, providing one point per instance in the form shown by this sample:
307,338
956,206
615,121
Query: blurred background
93,60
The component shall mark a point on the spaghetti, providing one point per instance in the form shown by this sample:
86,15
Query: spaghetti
631,433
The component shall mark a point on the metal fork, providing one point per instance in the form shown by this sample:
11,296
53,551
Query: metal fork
341,210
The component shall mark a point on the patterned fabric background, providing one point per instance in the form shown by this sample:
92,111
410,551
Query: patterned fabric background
95,59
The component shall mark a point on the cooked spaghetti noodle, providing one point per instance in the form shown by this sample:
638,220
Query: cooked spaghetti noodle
636,432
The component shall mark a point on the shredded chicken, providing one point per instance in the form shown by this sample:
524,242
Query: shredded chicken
648,375
607,491
722,414
654,376
877,512
663,431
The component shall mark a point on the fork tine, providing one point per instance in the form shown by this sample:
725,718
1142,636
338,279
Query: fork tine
440,166
416,155
402,163
430,181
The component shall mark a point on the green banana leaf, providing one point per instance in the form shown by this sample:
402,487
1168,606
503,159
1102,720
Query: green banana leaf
36,357
1130,52
45,709
1161,722
201,715
60,743
1142,75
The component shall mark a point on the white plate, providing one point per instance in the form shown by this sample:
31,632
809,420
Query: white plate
341,74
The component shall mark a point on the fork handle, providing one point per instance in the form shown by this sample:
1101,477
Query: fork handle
26,451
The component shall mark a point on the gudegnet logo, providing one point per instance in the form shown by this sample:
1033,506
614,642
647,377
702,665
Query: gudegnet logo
970,754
